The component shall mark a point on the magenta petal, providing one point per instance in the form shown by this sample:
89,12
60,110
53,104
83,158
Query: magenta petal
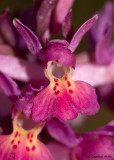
84,99
78,97
102,74
42,108
102,147
62,132
29,37
67,28
23,70
46,106
19,148
60,13
80,33
59,151
43,19
8,86
25,100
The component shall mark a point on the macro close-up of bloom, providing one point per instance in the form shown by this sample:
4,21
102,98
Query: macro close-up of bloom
56,81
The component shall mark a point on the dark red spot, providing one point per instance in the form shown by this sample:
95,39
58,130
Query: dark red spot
28,149
57,84
12,141
32,135
30,140
18,142
70,91
54,88
19,134
14,146
55,80
28,135
68,83
57,92
33,148
16,134
65,78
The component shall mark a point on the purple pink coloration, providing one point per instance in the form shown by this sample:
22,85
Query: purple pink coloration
78,97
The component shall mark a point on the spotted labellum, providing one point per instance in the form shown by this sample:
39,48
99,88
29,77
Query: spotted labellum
23,144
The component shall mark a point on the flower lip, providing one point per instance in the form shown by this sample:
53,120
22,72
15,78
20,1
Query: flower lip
60,53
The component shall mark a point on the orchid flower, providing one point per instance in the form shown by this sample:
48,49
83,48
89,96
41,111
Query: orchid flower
23,142
98,143
78,97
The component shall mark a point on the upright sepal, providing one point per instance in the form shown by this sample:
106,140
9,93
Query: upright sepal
30,39
80,33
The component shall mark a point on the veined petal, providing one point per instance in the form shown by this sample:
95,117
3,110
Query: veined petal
29,37
23,144
80,33
84,98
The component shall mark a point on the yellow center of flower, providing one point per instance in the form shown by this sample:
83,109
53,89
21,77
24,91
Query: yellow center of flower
20,135
59,75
